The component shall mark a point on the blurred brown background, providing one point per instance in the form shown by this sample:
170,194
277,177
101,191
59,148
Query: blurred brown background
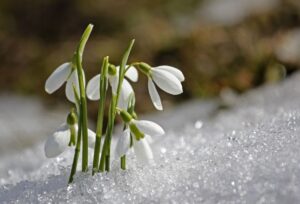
218,44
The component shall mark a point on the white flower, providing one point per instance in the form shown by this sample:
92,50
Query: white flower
141,147
148,127
93,86
64,73
142,150
123,143
168,79
58,142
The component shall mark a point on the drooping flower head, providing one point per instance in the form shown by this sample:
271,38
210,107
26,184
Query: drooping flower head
64,73
93,85
139,133
65,136
165,77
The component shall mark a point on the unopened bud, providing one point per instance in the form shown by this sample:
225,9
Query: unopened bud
112,70
72,118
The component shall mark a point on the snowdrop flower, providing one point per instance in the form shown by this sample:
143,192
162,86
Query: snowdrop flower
93,86
64,73
58,142
165,77
140,133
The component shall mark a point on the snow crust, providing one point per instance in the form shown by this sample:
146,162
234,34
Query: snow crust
249,153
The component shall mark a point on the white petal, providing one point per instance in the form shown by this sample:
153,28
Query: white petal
58,77
73,79
155,98
113,80
176,72
123,144
132,74
92,89
57,142
149,139
126,90
167,81
143,151
92,138
149,127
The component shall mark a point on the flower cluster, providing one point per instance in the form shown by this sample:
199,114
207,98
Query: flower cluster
137,133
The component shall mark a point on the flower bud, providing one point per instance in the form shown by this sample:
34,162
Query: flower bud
72,122
72,118
112,70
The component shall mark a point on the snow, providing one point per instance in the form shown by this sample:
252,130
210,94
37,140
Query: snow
24,121
248,153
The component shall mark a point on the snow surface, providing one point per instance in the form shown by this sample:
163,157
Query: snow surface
247,154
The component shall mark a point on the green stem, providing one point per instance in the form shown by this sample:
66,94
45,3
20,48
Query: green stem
110,132
78,142
103,161
107,160
105,157
103,82
130,110
83,103
123,162
123,158
77,151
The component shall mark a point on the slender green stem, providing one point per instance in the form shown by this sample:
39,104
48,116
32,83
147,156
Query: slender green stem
77,151
105,157
83,103
103,82
78,142
123,158
123,67
107,160
122,72
106,149
84,38
130,110
110,131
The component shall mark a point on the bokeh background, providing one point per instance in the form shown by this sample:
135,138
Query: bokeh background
218,44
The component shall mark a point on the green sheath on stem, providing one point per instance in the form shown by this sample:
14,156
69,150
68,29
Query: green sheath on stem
103,82
84,121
